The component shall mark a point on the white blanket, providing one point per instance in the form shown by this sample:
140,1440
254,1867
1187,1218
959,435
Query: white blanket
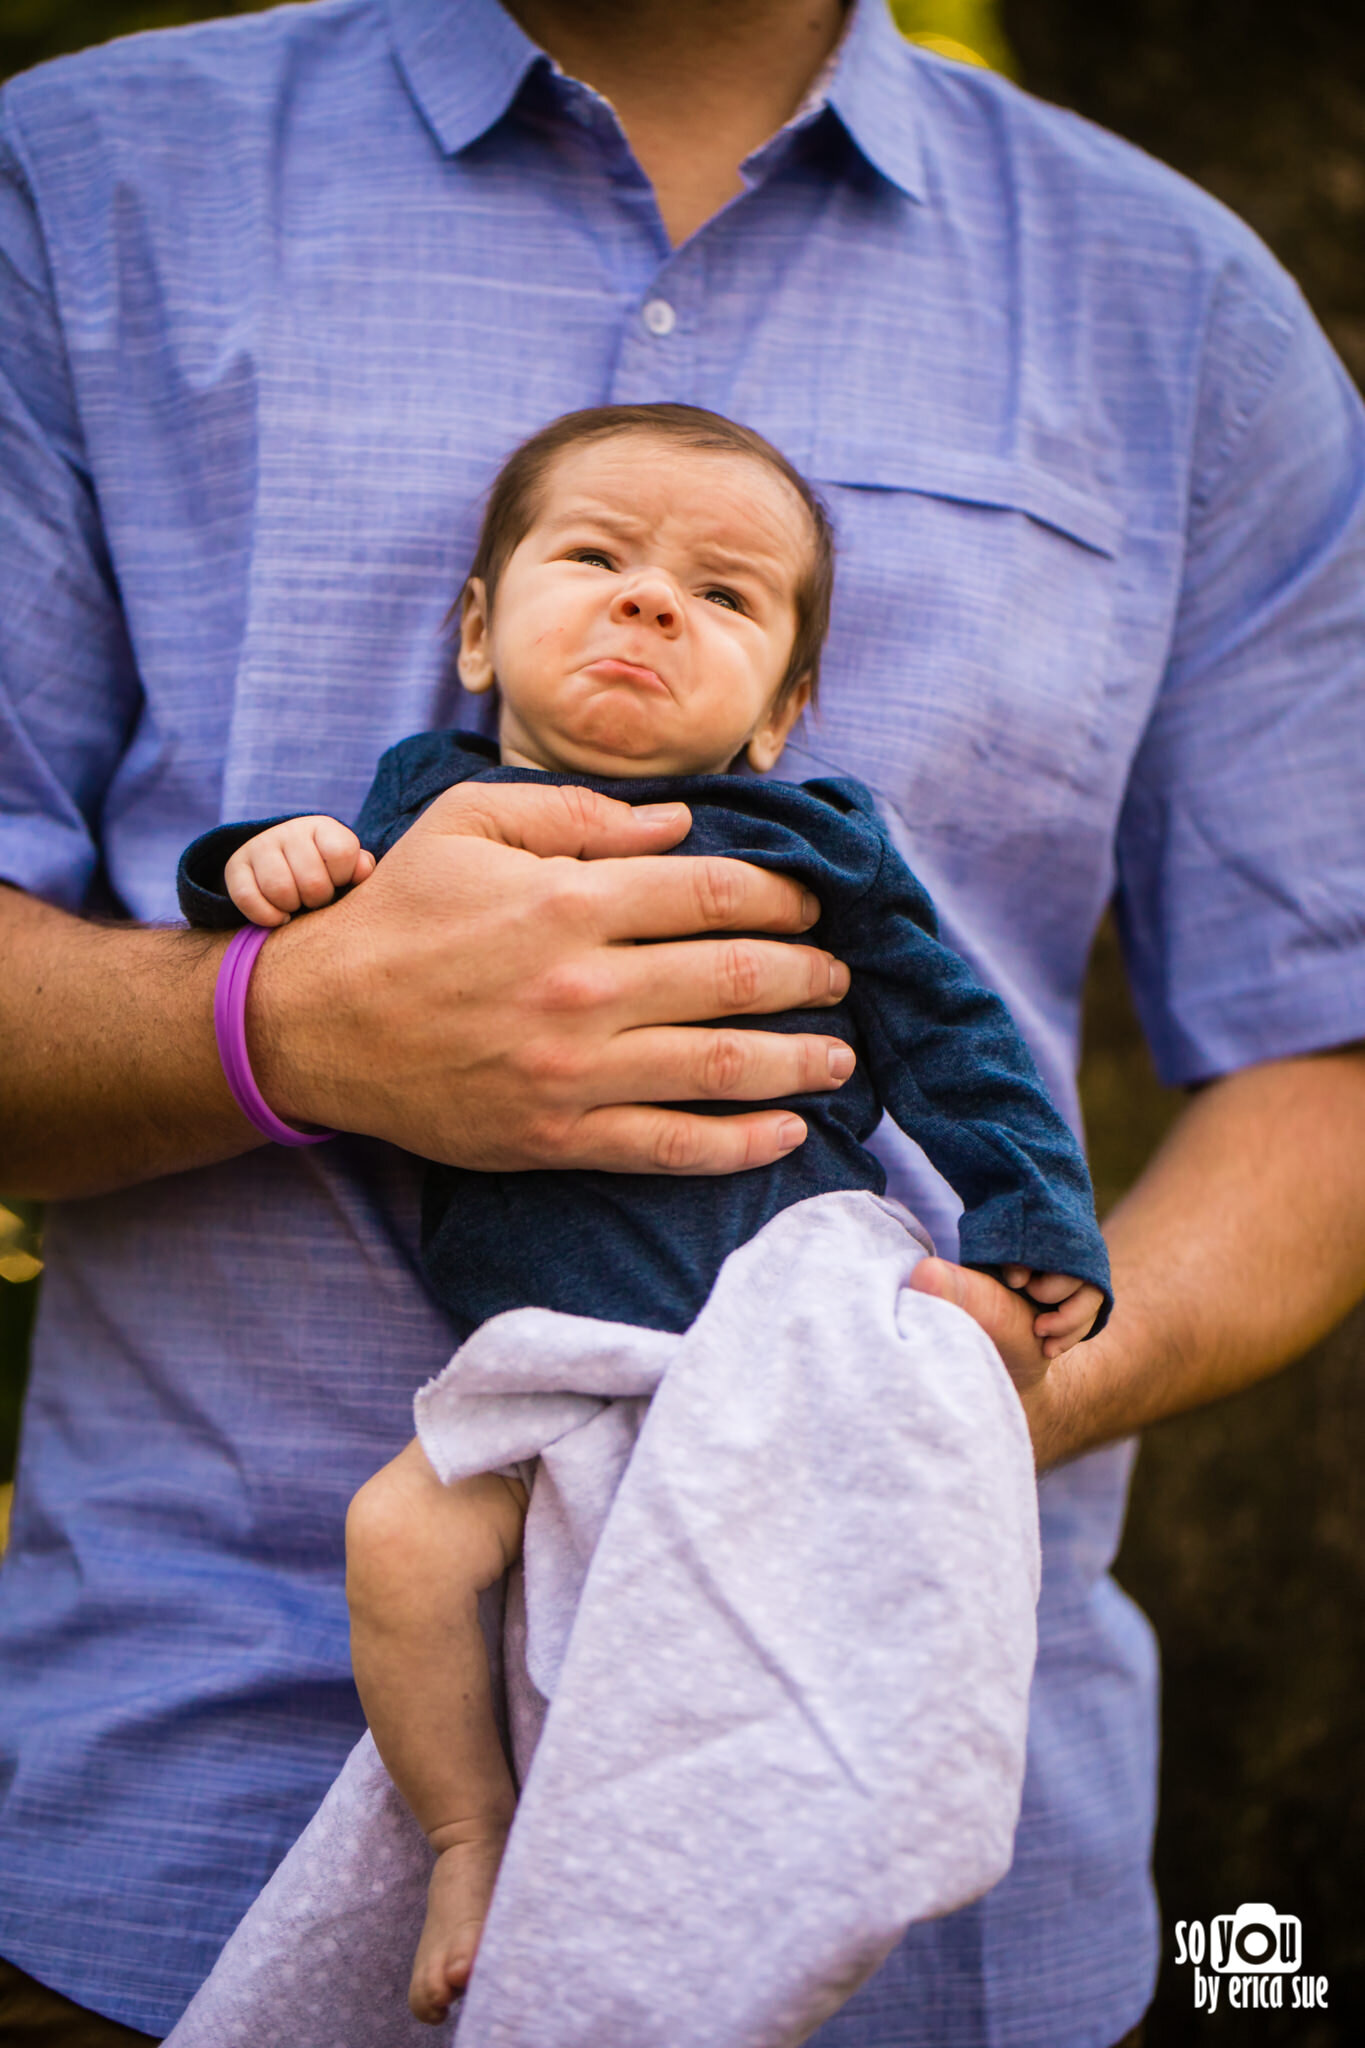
780,1578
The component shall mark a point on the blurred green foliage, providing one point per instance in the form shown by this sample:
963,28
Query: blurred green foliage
968,30
17,1306
20,1266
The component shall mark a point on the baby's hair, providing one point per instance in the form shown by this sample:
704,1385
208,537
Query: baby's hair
514,503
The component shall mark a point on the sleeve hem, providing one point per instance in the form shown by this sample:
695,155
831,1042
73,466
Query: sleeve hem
1260,1024
50,861
1046,1249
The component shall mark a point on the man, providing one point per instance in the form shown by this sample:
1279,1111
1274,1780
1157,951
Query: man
280,294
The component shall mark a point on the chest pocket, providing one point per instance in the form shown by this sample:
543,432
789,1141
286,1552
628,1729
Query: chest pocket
971,642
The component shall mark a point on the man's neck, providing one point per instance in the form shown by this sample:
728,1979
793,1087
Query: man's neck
697,84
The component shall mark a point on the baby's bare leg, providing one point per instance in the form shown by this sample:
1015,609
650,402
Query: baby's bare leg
418,1554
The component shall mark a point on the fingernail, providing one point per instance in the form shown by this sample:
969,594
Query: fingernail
662,814
838,978
840,1062
790,1133
810,907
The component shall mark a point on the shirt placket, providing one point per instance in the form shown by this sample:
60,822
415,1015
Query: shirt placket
669,312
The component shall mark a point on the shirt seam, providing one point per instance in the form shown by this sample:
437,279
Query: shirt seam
1267,373
10,121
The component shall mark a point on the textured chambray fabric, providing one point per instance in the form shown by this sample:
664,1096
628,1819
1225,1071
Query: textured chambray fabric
936,1051
277,296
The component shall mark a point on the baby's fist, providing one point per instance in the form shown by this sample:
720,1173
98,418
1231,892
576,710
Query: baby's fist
1069,1305
298,865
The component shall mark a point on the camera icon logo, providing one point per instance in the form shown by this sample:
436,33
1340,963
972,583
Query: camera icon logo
1255,1939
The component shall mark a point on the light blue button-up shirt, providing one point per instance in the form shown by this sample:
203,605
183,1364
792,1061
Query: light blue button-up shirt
276,298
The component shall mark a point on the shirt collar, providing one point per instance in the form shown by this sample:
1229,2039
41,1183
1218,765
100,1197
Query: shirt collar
466,60
871,86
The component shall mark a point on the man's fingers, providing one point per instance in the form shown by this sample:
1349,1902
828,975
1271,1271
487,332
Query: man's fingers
666,898
641,1139
608,884
696,1065
692,982
544,819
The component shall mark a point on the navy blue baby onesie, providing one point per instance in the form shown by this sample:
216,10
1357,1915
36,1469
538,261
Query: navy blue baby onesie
935,1049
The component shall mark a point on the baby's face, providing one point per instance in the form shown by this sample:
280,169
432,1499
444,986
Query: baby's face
645,623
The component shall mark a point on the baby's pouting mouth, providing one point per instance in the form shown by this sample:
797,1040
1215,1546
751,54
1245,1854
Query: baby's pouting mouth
611,668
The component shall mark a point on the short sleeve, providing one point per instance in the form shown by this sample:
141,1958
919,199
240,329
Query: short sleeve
68,687
1242,841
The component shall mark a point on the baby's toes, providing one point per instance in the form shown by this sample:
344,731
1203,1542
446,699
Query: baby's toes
437,1981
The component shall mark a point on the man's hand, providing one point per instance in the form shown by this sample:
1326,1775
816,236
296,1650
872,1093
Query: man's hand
512,988
1026,1339
484,999
1006,1317
1241,1245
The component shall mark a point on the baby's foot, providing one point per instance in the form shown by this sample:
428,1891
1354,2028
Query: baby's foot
457,1906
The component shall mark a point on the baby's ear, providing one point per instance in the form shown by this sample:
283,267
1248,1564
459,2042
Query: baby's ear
765,746
474,663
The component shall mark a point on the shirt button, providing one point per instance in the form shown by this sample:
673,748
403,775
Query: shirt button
659,317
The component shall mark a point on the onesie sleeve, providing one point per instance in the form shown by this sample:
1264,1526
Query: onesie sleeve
952,1069
410,776
383,815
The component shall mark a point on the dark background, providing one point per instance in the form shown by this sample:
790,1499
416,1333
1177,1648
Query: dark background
1246,1541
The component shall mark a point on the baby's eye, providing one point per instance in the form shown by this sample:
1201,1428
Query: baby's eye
724,597
591,556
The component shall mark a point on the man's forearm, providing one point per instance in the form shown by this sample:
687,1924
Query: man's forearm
108,1070
1242,1244
480,1000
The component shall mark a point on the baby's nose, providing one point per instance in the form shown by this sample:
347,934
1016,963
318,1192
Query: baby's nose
653,601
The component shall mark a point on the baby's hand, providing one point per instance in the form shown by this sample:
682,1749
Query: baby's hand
1072,1306
298,865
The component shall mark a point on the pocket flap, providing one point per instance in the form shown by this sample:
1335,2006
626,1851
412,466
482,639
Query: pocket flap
980,480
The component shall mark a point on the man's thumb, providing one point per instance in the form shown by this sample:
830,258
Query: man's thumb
550,819
953,1283
1006,1318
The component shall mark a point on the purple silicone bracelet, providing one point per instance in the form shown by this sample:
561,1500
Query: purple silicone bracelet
229,1024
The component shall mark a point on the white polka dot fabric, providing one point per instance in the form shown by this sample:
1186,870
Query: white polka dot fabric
770,1698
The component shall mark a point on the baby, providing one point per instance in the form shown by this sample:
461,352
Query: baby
649,598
